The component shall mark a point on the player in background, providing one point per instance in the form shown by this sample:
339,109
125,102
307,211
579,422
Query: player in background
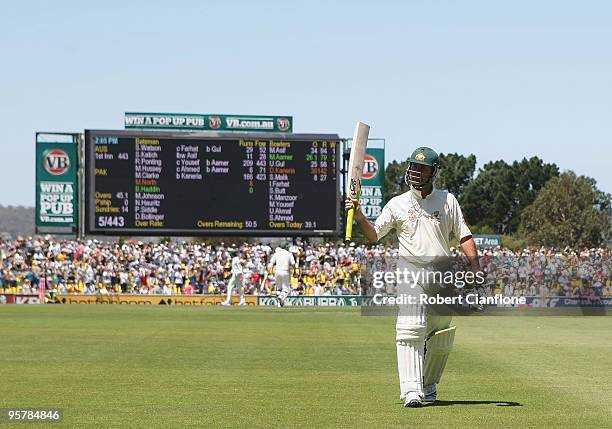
423,218
283,263
236,281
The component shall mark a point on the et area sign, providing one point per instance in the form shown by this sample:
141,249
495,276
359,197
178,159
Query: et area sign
487,241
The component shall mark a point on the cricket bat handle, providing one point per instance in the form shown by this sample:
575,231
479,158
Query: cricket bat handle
350,216
349,224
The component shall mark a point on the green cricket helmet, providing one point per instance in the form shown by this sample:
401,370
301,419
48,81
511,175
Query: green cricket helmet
422,156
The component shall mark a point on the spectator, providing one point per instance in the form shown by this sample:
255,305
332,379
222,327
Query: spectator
135,267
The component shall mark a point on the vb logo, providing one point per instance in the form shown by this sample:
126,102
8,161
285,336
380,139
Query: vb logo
370,167
56,162
283,124
214,122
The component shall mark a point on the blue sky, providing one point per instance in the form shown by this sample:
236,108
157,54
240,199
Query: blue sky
502,80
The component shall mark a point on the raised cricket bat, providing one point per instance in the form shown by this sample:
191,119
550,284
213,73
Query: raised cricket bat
355,170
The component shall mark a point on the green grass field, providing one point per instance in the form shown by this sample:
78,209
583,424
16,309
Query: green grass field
136,366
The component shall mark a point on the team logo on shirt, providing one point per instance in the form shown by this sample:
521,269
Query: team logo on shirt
412,215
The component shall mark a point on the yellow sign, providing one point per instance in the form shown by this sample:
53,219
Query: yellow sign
152,299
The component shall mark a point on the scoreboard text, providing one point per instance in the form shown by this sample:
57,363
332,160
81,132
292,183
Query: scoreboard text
164,183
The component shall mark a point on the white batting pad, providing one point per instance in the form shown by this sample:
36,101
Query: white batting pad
439,346
410,366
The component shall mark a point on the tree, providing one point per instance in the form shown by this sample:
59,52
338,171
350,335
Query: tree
488,199
394,179
568,211
456,171
500,192
17,220
531,176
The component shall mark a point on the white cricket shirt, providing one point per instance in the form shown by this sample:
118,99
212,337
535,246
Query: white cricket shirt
236,266
423,225
283,259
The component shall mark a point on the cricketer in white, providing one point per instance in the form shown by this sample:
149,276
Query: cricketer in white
236,281
284,262
424,218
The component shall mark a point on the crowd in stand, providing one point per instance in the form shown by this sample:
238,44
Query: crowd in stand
550,272
135,267
167,268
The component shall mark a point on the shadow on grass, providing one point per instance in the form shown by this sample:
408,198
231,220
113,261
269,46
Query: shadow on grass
497,403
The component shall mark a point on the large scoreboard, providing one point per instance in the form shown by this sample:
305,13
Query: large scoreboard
164,183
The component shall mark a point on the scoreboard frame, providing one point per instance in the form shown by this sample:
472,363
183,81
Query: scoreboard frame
89,182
